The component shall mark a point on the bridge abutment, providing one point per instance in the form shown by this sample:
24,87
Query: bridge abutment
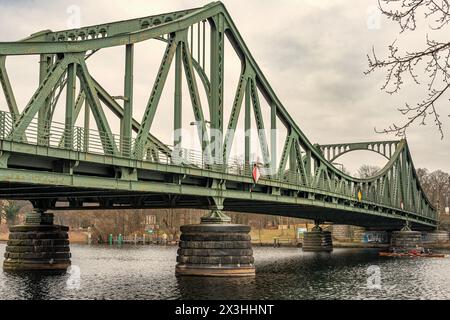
317,240
215,248
38,245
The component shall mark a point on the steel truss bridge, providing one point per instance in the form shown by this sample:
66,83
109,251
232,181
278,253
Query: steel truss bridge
62,166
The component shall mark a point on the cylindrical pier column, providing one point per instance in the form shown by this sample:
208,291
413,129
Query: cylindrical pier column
38,245
317,240
215,248
435,237
406,239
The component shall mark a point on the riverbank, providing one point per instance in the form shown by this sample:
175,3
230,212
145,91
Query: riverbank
343,245
78,237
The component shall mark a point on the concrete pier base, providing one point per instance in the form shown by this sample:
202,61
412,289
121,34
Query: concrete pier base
38,245
215,250
406,240
317,240
435,237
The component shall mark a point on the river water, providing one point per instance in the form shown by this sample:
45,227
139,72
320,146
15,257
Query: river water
282,273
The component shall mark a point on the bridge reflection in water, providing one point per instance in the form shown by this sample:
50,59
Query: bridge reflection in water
286,273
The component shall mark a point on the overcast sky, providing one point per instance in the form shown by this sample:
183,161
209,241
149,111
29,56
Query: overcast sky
312,52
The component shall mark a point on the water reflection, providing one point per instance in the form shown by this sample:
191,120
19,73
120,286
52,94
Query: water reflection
216,288
149,273
34,286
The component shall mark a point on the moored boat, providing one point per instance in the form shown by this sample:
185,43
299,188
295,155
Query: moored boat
413,255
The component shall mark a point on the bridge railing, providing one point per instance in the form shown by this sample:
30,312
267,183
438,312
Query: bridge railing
56,135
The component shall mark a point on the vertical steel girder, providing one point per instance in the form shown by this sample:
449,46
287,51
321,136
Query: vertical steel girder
87,122
45,112
127,119
178,99
273,134
248,122
215,86
70,105
217,24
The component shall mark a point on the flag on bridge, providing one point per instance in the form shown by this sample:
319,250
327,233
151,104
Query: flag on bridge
256,173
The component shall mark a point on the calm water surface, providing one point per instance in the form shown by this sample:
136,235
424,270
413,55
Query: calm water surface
284,273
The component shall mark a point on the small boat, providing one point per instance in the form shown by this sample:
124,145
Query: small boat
412,254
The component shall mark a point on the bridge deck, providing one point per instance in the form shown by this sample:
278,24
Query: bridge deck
79,180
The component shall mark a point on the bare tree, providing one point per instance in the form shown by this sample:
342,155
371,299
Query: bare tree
432,60
436,185
366,171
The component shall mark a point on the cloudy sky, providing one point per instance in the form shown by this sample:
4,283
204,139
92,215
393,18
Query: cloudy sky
312,52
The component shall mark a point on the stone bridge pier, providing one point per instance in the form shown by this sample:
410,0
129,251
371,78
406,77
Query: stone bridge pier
215,247
317,240
38,245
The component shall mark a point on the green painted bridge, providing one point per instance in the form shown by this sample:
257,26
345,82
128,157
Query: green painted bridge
57,165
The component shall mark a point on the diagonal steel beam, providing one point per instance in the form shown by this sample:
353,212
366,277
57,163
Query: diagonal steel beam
7,88
106,136
40,96
234,116
260,123
284,156
195,100
203,78
117,109
301,163
155,96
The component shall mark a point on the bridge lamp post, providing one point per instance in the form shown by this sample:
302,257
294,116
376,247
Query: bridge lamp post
207,123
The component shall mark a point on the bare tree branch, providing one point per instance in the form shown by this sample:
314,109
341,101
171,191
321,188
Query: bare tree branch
432,61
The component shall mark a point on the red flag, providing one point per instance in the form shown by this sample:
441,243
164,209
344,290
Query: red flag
256,173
